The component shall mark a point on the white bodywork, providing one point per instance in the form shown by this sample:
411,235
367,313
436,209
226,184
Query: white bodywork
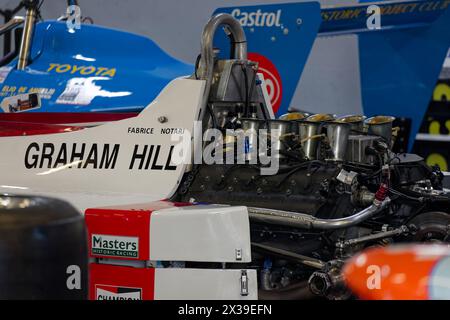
179,103
209,233
179,235
205,233
203,284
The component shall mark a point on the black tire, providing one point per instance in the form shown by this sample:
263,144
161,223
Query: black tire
41,241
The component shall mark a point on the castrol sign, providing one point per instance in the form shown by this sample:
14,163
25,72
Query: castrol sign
258,18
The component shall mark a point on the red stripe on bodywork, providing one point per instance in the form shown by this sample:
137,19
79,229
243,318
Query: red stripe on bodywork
65,117
30,124
11,129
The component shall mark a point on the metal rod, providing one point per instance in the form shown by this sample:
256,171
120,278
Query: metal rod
25,46
11,24
381,235
311,262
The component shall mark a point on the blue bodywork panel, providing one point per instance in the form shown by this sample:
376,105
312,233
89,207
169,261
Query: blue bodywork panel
91,69
409,61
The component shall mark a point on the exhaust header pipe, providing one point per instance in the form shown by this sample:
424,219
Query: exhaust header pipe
238,44
237,40
304,221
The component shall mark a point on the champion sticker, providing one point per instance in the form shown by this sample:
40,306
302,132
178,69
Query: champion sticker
106,292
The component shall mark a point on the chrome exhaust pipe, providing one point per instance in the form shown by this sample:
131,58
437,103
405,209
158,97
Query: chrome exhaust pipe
304,221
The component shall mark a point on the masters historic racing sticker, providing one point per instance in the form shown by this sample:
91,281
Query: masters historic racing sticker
105,292
115,246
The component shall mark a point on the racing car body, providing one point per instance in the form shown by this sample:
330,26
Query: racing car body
73,75
253,206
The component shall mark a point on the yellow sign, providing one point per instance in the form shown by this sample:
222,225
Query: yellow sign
441,92
437,159
82,70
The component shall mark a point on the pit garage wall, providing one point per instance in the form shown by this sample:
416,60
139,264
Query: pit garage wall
331,78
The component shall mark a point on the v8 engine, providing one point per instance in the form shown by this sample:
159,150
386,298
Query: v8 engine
337,188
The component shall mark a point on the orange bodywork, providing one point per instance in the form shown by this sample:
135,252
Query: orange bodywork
400,272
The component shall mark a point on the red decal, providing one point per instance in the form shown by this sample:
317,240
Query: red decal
272,79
